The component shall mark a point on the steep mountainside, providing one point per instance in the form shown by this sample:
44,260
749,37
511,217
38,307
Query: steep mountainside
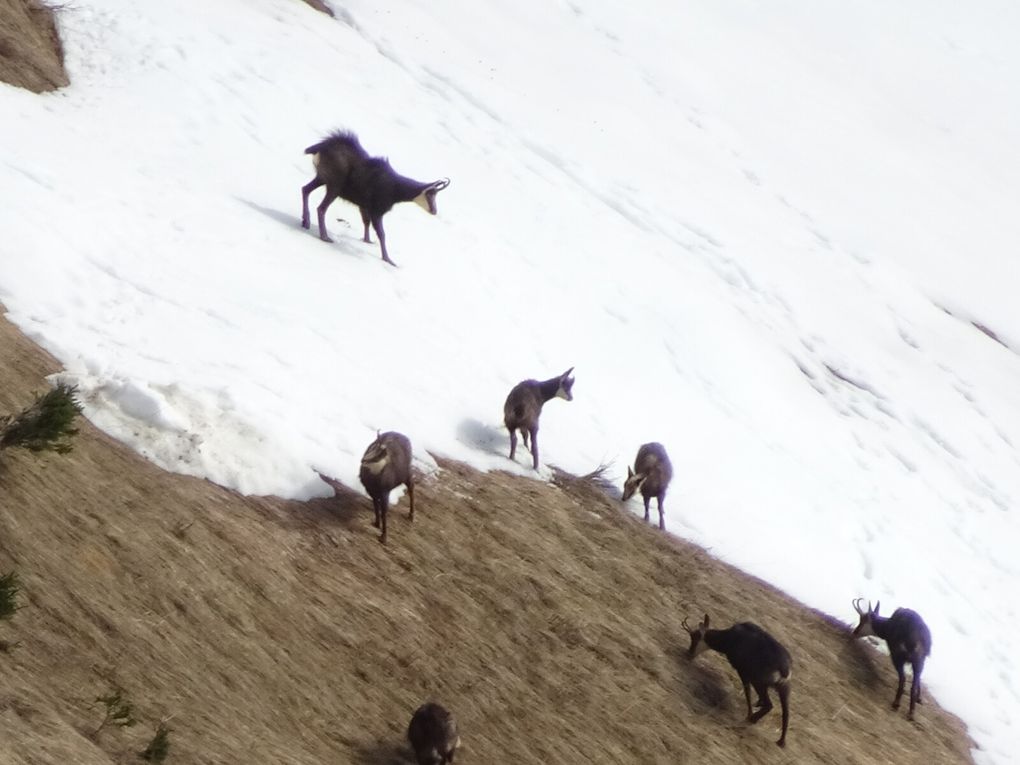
272,631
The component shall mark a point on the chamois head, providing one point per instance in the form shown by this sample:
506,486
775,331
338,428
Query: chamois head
377,456
427,198
698,645
866,626
566,386
633,483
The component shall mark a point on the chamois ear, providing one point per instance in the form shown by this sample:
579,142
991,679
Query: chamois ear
630,473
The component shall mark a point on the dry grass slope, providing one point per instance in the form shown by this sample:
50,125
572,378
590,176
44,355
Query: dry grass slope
283,632
30,52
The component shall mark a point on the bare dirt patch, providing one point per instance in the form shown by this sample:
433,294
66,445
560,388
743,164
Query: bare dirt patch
271,631
31,55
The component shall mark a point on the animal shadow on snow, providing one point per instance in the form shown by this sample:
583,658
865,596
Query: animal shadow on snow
482,437
288,219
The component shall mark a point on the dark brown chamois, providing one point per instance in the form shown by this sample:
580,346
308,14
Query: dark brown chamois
433,734
345,168
760,660
524,405
908,638
651,474
385,466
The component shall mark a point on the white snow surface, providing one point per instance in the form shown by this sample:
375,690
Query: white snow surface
764,234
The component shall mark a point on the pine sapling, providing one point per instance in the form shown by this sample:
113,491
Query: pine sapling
46,425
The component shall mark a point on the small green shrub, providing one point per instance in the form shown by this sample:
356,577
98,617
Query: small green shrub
10,586
46,425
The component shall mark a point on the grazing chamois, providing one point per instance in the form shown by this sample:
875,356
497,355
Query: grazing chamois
908,638
433,734
386,465
524,405
651,474
344,167
760,660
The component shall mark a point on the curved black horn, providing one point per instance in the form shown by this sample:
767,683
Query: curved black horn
442,184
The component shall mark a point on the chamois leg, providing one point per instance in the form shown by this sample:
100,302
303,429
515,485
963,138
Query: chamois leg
915,687
784,701
648,501
903,680
384,505
534,447
525,437
375,507
323,206
662,515
307,189
377,225
513,442
747,695
410,494
766,703
366,220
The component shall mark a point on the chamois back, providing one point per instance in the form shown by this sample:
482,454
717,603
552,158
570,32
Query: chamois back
433,734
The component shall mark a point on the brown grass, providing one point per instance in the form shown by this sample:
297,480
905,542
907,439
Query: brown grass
270,631
31,55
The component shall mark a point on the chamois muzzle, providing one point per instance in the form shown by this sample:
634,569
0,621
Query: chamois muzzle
429,195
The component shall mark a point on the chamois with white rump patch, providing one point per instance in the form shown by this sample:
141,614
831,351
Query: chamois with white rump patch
651,474
908,638
524,405
433,734
760,660
385,466
348,172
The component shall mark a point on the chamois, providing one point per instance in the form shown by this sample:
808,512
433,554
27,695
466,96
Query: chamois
344,167
760,661
908,638
386,465
524,405
651,474
433,734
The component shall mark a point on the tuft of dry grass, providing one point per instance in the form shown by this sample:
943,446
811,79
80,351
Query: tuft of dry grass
274,631
593,486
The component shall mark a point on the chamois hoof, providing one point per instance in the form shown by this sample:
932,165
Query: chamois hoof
325,238
781,742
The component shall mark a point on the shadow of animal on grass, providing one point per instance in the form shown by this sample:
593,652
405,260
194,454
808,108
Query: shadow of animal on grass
382,753
705,684
484,438
859,658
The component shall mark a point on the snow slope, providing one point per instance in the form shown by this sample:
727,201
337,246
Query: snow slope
763,234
